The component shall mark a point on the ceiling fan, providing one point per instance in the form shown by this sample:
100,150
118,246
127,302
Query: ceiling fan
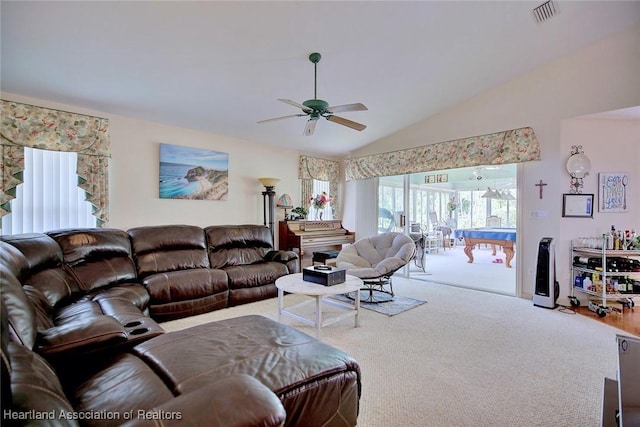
316,108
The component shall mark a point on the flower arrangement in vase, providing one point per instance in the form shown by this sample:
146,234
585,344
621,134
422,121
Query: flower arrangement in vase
452,206
320,201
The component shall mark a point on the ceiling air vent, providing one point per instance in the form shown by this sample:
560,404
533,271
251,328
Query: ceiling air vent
545,11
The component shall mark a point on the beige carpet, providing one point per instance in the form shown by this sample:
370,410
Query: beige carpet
451,266
467,358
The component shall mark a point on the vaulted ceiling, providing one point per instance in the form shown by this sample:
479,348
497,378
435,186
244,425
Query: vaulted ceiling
220,67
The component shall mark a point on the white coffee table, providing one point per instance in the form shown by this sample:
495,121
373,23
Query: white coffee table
294,284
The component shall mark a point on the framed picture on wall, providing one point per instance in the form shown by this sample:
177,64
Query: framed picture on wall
193,173
577,205
443,177
612,191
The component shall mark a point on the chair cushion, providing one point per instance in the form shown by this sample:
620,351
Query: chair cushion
37,261
185,285
40,251
125,383
159,249
252,275
35,386
20,312
376,256
238,244
135,293
97,257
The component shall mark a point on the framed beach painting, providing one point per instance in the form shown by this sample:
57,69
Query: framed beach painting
193,173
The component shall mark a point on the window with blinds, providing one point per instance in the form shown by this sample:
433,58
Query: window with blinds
49,197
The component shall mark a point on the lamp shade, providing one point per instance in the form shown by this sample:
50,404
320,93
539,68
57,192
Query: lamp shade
269,182
508,196
489,194
284,201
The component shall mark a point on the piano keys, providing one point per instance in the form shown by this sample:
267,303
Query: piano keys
313,235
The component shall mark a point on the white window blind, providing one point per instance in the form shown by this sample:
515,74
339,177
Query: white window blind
49,197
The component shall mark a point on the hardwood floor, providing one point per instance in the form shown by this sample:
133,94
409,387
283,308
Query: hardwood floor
628,321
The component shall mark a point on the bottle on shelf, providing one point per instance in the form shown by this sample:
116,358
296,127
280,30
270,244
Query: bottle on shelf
613,263
612,235
625,285
631,239
626,235
607,241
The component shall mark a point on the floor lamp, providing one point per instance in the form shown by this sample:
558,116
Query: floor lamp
267,200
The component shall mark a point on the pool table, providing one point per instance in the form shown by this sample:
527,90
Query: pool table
505,237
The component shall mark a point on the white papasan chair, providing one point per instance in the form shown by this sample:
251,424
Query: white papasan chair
374,260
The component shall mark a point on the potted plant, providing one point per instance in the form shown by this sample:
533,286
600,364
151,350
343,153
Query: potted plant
298,213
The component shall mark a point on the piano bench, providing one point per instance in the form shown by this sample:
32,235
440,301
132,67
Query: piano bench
325,257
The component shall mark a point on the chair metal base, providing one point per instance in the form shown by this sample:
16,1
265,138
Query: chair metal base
374,292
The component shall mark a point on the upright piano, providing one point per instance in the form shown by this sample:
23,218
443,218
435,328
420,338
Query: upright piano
313,235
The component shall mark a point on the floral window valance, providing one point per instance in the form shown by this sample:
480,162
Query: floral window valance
24,125
320,169
511,146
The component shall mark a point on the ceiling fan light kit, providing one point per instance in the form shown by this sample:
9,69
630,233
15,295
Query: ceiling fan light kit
316,108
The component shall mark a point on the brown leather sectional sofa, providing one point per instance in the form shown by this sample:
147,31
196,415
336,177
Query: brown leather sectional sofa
81,345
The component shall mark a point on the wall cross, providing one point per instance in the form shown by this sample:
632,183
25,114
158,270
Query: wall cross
541,185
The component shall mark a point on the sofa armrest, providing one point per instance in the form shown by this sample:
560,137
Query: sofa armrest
81,335
235,401
289,258
281,256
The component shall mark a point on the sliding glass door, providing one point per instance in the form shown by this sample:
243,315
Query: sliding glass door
423,209
391,204
433,205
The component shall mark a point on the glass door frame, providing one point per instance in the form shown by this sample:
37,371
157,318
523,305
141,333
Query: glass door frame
411,212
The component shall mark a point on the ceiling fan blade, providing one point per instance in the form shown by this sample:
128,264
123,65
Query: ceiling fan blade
295,104
310,127
347,107
346,122
280,118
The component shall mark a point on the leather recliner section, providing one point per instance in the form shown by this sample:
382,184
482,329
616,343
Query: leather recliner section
173,265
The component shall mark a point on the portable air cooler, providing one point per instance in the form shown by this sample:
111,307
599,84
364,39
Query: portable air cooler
547,289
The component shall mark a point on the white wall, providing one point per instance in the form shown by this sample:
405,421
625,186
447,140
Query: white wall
612,146
602,77
134,189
